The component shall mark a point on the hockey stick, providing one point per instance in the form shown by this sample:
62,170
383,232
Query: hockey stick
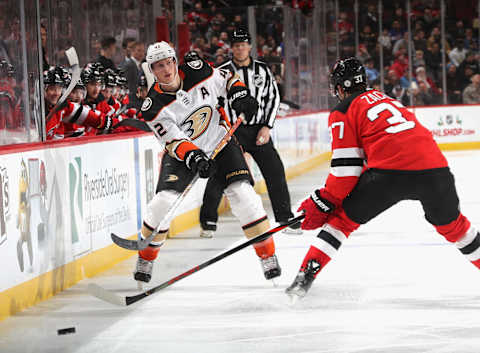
148,75
291,104
141,243
137,124
110,297
72,57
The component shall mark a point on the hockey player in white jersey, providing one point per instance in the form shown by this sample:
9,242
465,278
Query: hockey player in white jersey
181,109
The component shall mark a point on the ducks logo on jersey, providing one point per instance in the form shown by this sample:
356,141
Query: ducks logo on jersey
197,122
147,104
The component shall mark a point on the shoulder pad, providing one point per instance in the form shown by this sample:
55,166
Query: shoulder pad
155,102
194,73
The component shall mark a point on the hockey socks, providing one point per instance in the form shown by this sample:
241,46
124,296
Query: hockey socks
265,248
469,245
323,248
150,253
465,237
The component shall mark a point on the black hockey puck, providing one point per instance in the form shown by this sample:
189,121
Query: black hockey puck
66,331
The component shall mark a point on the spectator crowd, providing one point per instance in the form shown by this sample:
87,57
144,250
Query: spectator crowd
426,85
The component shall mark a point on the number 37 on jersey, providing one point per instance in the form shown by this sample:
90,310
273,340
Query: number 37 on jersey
371,114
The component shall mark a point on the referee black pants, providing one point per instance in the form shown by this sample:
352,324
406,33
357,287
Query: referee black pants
271,167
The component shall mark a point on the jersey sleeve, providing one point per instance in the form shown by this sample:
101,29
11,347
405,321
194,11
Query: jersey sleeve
161,120
347,155
177,143
227,79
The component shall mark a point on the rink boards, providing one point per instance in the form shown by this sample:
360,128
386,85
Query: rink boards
59,202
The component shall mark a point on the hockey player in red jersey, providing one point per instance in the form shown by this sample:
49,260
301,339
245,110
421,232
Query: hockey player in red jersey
10,112
55,79
381,155
181,110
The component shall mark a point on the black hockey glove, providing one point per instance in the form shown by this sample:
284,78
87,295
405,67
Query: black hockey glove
242,102
107,124
198,161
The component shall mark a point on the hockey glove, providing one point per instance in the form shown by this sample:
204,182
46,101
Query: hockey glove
242,102
107,124
318,208
198,161
65,109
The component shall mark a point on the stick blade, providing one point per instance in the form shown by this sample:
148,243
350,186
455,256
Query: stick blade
72,56
105,295
148,75
133,245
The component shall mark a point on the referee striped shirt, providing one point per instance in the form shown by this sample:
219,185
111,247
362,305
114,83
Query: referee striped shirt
261,84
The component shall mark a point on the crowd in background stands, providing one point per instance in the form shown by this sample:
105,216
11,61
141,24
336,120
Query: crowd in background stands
461,44
212,22
210,28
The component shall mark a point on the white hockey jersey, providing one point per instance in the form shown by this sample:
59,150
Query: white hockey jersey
189,118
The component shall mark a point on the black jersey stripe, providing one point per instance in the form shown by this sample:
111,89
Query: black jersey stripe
346,162
330,239
76,115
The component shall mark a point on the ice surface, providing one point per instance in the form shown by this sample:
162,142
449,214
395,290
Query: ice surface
396,286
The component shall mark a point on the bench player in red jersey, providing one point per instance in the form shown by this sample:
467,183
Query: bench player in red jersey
381,155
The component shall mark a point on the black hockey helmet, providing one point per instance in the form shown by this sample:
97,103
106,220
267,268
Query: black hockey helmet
121,79
80,84
110,78
55,75
349,74
240,35
93,72
6,69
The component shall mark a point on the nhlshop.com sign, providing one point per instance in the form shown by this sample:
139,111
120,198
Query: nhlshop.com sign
452,132
451,124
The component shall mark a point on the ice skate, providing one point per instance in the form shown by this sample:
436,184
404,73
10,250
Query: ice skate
271,268
143,271
206,233
293,229
303,281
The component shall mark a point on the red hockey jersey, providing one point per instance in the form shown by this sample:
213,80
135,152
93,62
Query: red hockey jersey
372,130
73,113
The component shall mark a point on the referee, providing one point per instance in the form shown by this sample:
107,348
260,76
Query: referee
254,137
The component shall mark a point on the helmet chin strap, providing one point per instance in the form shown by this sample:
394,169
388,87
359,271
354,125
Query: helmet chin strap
173,80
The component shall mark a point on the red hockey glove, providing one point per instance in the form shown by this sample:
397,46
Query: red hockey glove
66,107
131,113
318,208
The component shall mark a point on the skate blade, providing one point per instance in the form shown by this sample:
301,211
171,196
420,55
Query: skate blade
140,286
293,298
206,235
293,231
274,282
